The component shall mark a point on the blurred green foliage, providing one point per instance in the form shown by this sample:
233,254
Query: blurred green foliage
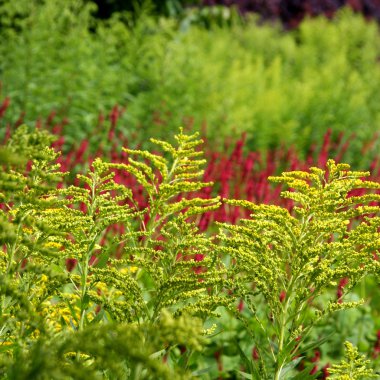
279,87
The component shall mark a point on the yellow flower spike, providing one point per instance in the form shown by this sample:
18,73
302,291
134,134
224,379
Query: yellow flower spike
52,244
52,210
27,230
44,278
126,270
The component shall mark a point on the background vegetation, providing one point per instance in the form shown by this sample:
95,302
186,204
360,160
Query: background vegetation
269,94
278,87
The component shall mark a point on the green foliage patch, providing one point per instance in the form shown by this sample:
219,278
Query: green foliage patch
279,87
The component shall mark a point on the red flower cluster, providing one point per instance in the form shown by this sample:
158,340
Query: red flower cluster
339,293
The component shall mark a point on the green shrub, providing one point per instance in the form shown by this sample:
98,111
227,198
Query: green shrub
57,283
52,61
279,87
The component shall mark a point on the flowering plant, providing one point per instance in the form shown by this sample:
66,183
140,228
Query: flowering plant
284,263
96,284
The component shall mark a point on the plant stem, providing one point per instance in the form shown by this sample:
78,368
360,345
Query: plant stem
153,223
83,292
281,344
86,256
283,321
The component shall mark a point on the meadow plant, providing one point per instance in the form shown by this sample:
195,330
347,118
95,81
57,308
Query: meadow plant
61,289
126,253
284,264
355,366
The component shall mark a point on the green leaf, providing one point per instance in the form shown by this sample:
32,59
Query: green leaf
243,356
305,374
103,259
291,366
245,375
202,371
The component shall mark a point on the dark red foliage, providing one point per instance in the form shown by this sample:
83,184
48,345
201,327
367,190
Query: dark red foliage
292,12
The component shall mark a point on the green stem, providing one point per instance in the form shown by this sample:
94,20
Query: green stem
279,366
11,249
152,223
86,257
83,292
84,276
283,323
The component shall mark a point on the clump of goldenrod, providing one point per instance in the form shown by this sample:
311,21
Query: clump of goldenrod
159,292
355,366
70,307
282,263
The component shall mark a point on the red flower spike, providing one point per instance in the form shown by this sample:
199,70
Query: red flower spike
70,264
114,116
4,106
376,348
100,120
50,118
217,356
57,129
325,372
255,353
81,151
7,133
339,293
24,262
316,357
20,120
38,124
314,370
